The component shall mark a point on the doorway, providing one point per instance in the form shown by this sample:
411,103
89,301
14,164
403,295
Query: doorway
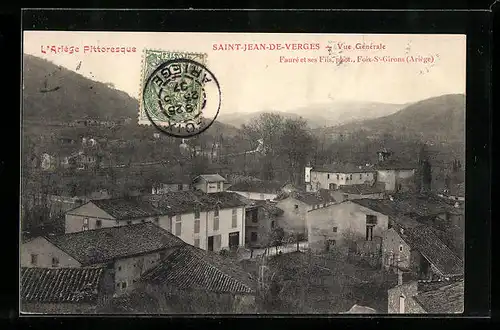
234,240
210,243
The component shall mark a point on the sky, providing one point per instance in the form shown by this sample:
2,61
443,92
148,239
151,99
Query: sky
256,80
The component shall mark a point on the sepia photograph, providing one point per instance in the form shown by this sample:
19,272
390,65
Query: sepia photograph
175,173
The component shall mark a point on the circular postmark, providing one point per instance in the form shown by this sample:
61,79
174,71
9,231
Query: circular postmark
181,98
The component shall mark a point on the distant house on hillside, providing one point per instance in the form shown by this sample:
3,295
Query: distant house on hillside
209,183
128,250
48,162
65,290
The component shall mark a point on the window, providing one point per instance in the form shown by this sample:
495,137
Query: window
143,221
255,215
262,197
98,223
296,207
216,223
253,236
371,219
85,224
129,222
361,176
216,212
334,229
369,232
196,226
324,204
124,285
350,177
178,228
234,219
197,242
401,304
119,268
337,176
272,224
197,214
328,176
178,218
34,259
55,262
179,186
400,248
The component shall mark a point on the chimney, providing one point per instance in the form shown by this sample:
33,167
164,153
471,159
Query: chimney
400,277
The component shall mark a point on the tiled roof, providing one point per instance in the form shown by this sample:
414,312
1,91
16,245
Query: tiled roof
445,300
181,202
133,302
61,285
211,177
363,189
126,208
310,198
106,244
193,268
357,309
258,186
415,206
423,239
343,168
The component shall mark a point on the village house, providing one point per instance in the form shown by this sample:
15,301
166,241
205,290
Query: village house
445,216
211,221
332,177
393,174
421,297
48,162
209,183
127,251
191,280
261,219
257,189
295,206
346,222
180,183
418,250
65,290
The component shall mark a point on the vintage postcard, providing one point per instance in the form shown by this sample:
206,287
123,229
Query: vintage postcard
231,173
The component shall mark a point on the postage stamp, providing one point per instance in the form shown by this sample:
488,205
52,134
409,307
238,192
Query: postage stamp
179,94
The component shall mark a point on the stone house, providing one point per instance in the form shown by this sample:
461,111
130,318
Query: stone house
332,177
181,183
261,218
126,251
346,222
209,183
295,206
65,290
212,221
191,280
418,250
419,297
